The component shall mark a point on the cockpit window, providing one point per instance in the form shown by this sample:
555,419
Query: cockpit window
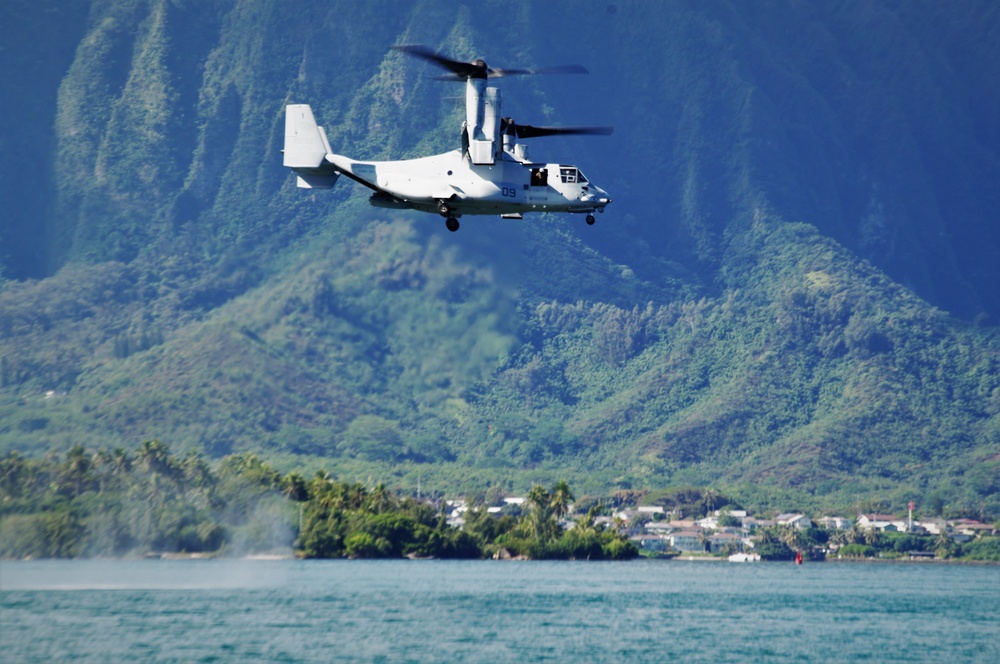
571,175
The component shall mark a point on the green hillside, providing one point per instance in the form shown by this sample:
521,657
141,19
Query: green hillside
792,296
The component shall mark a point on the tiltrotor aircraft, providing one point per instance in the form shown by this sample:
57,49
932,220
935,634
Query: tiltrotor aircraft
490,175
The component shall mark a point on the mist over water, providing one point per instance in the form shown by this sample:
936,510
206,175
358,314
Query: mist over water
442,611
140,575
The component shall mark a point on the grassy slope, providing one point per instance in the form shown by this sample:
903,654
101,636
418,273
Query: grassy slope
705,341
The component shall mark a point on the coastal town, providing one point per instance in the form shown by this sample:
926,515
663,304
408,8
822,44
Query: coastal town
736,535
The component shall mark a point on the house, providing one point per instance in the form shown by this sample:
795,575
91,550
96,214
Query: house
652,542
970,527
605,521
731,516
883,522
650,510
738,514
720,541
835,522
902,525
933,526
687,540
708,523
752,524
800,521
659,527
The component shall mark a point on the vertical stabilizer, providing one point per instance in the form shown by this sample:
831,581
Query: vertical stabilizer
306,147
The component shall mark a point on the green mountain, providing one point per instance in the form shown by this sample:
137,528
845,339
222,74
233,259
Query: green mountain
792,296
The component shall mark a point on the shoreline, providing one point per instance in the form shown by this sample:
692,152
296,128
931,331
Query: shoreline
270,557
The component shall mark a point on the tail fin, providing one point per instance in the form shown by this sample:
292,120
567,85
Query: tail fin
306,147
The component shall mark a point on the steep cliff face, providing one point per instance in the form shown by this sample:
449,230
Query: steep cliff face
872,123
37,49
780,172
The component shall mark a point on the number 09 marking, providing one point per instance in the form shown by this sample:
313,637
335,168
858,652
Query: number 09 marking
508,192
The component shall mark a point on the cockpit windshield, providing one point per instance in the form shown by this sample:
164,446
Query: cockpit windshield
571,175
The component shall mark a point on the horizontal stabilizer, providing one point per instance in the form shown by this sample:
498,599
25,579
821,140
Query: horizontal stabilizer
308,181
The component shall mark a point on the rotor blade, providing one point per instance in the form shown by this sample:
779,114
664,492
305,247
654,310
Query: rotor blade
527,131
557,69
460,70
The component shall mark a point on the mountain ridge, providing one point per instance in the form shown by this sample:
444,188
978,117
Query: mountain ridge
702,332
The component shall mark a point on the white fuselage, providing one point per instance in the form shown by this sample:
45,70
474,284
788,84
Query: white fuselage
507,186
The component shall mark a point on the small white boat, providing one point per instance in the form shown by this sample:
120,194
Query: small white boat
744,558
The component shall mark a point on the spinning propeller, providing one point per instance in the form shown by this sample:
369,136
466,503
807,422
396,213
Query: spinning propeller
462,71
465,71
508,126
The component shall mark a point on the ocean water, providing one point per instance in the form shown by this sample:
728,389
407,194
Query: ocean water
485,611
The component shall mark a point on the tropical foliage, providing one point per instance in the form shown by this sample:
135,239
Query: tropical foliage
101,503
114,503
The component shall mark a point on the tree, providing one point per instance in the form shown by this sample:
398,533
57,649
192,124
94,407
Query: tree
770,546
944,546
293,487
379,499
710,500
101,463
12,474
76,470
541,510
153,457
121,464
560,498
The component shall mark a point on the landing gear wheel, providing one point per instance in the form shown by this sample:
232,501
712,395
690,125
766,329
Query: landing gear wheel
452,224
590,220
443,209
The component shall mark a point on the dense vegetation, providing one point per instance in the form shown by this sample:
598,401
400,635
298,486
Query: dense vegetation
792,297
101,503
888,546
781,543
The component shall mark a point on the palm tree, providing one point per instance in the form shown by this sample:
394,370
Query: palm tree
379,499
293,486
121,463
354,495
154,457
101,462
12,474
710,500
790,536
586,524
560,499
77,468
943,545
538,498
703,540
540,501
